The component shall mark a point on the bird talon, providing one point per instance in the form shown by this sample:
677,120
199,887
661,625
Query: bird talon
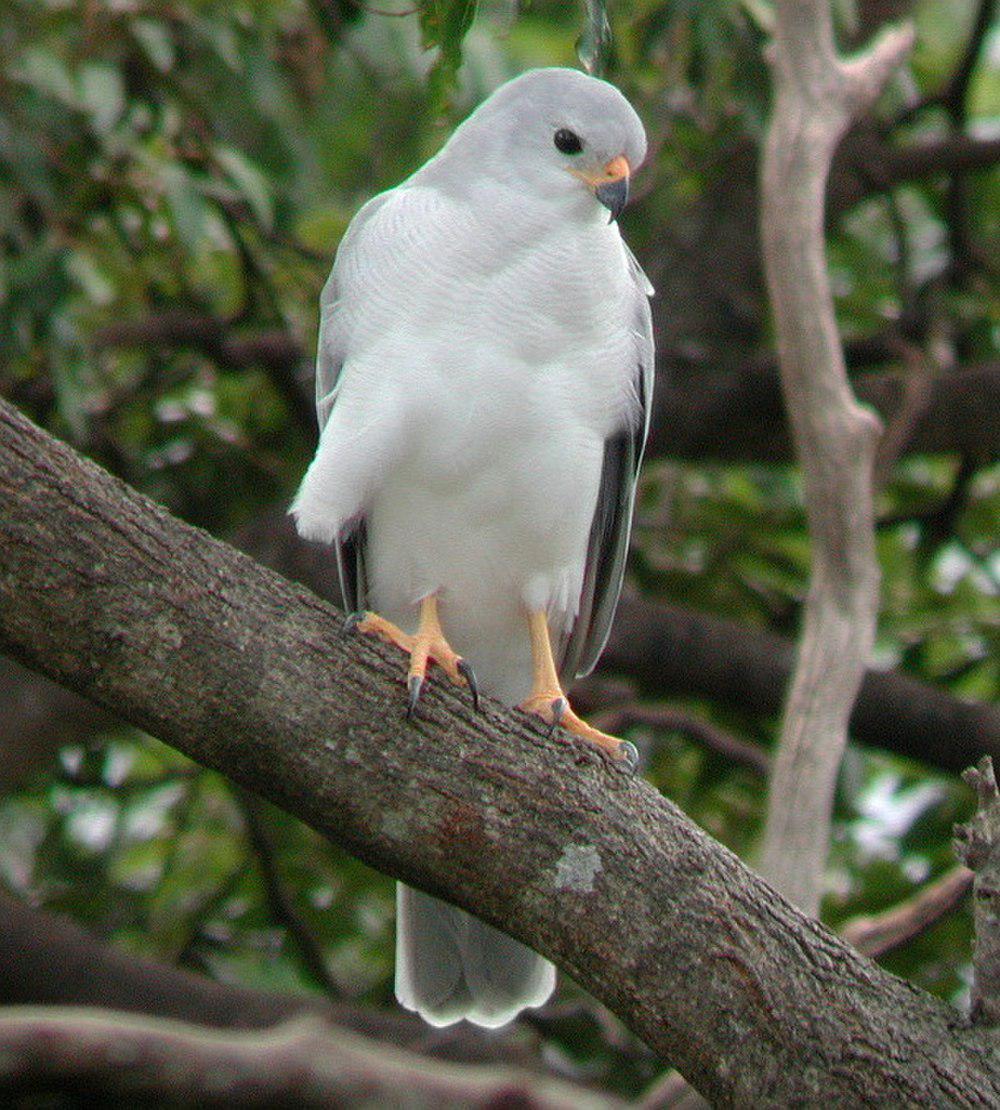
414,685
466,671
351,622
558,708
628,754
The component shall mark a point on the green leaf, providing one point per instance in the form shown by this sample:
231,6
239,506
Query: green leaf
188,209
249,181
155,40
48,74
103,95
444,24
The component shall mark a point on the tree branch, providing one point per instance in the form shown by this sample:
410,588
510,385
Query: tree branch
877,934
303,1062
734,416
546,838
978,847
279,899
275,350
671,650
33,942
816,95
668,719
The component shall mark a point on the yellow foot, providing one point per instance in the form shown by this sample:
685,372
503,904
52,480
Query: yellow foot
427,645
554,708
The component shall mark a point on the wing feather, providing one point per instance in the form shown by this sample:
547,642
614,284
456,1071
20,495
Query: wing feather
351,546
607,549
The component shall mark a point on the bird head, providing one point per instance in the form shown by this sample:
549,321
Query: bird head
562,137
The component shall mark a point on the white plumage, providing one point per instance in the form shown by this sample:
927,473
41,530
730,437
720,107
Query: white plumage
483,382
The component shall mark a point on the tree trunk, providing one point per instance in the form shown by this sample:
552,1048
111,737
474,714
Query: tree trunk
754,1003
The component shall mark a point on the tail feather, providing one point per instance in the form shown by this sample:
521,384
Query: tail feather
450,965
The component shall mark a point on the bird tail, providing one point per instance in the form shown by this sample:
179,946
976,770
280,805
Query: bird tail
450,965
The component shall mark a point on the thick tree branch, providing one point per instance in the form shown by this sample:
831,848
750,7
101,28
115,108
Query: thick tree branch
978,847
866,163
33,942
675,651
104,1055
250,675
816,96
734,416
739,416
671,650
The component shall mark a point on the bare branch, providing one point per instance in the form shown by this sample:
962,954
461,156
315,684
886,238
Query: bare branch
977,845
668,719
275,350
815,98
304,1062
91,973
279,899
545,838
672,650
877,934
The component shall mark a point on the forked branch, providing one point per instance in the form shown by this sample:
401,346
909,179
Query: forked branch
816,94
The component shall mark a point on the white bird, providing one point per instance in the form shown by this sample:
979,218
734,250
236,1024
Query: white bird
483,382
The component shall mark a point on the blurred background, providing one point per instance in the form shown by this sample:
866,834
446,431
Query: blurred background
174,180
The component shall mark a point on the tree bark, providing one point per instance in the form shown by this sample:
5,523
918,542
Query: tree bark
978,846
119,1059
248,674
669,649
815,97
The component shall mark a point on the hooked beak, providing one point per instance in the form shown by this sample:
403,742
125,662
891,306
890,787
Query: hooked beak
610,185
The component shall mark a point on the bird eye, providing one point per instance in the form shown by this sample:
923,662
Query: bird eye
568,142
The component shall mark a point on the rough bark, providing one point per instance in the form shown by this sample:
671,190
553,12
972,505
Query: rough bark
978,846
815,97
246,673
120,1059
669,649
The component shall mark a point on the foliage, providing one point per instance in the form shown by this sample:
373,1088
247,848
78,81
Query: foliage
203,158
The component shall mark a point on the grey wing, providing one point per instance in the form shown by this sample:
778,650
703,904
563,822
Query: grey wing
607,548
330,355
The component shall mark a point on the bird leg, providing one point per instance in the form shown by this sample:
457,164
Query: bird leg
549,701
427,645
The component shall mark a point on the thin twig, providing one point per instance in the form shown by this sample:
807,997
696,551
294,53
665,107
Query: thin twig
282,904
880,933
668,719
918,384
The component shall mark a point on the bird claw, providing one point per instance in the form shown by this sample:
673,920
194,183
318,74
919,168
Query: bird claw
351,622
414,684
559,706
628,754
466,671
